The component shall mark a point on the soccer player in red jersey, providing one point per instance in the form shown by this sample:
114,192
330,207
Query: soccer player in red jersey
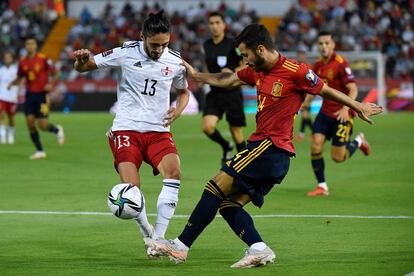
249,175
334,120
40,76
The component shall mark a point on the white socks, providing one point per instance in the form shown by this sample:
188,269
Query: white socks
359,140
181,244
166,204
323,185
260,246
3,135
145,227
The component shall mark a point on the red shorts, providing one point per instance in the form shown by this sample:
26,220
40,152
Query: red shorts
135,147
8,107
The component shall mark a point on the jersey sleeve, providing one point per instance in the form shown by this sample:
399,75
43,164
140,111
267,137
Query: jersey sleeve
307,80
345,73
247,75
110,58
180,80
50,67
234,59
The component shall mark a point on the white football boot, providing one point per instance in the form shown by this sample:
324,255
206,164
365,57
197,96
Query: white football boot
38,155
254,258
169,248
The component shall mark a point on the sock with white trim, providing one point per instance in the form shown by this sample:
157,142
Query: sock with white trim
166,204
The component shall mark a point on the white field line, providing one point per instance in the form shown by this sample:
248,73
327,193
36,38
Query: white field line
14,212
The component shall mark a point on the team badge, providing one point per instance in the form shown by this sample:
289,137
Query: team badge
258,82
277,89
312,77
222,61
330,74
107,53
37,67
166,71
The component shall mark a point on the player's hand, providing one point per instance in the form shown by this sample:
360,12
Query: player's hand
190,69
368,109
171,116
48,87
82,56
342,114
305,113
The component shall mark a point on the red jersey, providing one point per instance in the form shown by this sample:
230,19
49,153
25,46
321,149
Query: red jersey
36,72
337,74
280,93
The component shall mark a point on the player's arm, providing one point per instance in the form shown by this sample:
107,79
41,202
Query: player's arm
342,114
223,79
53,79
17,81
364,110
174,112
83,61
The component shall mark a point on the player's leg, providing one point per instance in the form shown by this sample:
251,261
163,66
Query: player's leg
10,130
169,167
342,147
127,160
211,115
209,124
2,124
233,108
44,124
320,133
240,221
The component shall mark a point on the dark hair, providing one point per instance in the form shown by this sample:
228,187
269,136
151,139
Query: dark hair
156,23
253,36
216,13
30,36
324,32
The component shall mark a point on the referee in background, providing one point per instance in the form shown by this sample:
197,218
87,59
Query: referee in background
222,56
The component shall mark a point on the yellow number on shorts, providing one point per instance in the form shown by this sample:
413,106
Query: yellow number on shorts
343,132
44,109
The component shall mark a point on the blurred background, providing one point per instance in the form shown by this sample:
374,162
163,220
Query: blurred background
375,36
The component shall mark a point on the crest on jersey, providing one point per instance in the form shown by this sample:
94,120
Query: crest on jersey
330,74
312,77
37,67
166,71
277,89
222,61
107,53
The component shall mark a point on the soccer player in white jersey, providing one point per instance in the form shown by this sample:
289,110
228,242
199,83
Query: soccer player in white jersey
8,98
141,128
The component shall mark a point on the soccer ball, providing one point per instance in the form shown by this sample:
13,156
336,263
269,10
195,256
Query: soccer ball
125,201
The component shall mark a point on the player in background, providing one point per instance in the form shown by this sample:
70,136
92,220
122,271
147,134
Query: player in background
305,118
40,76
250,174
221,56
8,98
141,127
334,120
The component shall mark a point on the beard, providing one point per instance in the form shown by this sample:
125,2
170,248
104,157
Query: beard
258,63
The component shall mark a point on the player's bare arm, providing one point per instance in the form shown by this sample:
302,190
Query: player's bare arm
83,61
55,75
343,113
223,79
174,112
16,81
364,110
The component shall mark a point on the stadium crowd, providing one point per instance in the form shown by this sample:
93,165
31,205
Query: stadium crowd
358,25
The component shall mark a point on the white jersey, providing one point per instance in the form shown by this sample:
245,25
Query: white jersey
7,75
144,86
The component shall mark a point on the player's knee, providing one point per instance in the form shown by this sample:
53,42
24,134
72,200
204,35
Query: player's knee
316,147
173,173
208,129
338,158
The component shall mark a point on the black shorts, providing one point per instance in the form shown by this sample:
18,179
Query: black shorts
257,168
231,103
36,104
333,129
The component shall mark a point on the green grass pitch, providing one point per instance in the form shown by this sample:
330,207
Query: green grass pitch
79,175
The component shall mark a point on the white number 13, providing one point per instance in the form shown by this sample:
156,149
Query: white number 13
123,141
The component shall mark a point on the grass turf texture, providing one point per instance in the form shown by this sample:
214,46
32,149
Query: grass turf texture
78,176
